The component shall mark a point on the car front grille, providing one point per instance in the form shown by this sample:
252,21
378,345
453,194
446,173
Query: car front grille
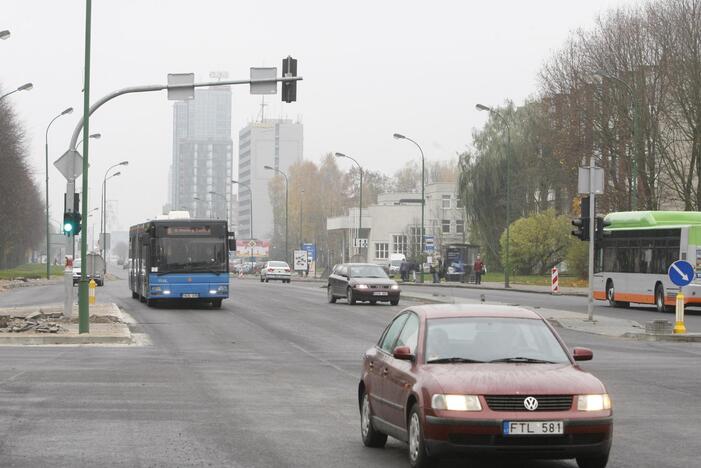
515,402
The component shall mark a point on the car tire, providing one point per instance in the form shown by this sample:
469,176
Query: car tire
373,302
350,296
418,456
394,302
329,295
261,278
267,280
371,436
593,462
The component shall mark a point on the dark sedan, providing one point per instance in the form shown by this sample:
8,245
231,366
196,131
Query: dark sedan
362,282
479,380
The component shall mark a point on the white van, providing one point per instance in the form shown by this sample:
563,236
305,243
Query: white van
395,260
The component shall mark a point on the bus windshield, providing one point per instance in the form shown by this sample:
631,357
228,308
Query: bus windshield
187,254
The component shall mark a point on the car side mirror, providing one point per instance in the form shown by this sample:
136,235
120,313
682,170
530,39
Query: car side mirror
403,353
582,354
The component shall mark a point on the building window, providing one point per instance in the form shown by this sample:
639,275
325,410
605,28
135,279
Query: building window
458,202
445,202
459,226
381,250
399,243
445,226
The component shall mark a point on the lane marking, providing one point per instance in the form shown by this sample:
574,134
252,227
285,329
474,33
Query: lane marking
324,361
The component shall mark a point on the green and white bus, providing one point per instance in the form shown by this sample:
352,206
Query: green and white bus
631,262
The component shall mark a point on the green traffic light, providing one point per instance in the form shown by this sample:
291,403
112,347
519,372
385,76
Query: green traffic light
68,227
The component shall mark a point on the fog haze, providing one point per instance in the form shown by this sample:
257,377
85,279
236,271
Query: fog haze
370,69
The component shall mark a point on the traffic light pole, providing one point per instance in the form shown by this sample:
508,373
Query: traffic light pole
83,126
592,226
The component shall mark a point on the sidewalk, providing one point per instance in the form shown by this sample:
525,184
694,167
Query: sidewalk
46,325
576,321
528,288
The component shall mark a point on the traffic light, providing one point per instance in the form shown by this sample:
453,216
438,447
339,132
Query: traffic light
289,88
601,223
71,223
582,228
582,223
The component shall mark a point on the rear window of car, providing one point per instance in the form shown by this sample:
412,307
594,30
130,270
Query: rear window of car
491,338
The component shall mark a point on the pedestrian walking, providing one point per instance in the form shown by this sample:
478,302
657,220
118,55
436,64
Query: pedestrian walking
479,269
404,270
435,270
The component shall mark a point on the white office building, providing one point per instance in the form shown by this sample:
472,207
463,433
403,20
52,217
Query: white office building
273,142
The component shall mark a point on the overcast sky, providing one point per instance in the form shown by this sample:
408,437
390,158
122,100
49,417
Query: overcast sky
371,68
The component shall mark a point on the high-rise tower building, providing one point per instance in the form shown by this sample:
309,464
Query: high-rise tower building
200,175
272,142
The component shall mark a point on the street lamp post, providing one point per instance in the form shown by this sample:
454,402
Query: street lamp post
211,192
270,168
399,136
24,87
360,204
301,231
103,213
250,199
637,138
94,136
92,230
509,156
48,231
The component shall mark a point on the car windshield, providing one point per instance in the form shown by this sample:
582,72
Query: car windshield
491,339
367,271
191,255
278,265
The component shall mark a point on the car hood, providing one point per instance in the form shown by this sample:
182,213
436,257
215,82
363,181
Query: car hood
373,281
512,379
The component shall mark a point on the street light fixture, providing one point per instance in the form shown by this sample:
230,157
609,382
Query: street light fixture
46,147
399,136
287,198
94,136
103,213
637,137
481,107
24,87
4,34
360,211
250,199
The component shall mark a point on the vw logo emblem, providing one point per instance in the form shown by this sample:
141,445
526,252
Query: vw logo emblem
530,403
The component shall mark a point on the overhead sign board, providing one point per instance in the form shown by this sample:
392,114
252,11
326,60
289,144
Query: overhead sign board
681,273
183,86
267,87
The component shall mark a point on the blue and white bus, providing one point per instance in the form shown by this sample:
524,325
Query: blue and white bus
180,259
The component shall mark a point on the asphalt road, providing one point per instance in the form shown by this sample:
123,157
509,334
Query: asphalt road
270,381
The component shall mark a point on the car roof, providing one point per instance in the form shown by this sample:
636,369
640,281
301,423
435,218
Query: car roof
474,310
360,264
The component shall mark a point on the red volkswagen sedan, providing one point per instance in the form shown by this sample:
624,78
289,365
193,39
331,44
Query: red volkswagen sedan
482,380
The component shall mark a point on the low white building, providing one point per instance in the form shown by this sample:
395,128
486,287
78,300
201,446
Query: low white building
393,225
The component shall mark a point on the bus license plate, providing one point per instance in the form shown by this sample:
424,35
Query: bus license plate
191,295
532,427
379,293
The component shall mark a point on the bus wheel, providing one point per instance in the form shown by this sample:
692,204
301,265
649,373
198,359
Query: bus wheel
610,293
216,303
134,295
659,300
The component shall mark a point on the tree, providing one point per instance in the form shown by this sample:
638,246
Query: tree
408,178
538,242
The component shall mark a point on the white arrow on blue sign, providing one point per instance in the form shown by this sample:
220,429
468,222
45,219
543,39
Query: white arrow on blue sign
681,273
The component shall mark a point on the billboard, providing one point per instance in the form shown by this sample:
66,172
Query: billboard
300,260
246,248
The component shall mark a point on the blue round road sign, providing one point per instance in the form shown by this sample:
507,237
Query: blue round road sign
681,272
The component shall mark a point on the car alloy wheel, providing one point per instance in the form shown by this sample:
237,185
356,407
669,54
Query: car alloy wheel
371,436
365,417
414,438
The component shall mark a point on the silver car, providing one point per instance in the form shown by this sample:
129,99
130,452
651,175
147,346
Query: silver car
275,270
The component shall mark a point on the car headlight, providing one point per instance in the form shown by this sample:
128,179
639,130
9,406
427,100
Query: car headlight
456,402
395,286
361,286
594,402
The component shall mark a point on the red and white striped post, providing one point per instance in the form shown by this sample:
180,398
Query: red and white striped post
555,285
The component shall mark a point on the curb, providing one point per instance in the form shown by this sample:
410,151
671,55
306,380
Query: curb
492,288
65,340
682,338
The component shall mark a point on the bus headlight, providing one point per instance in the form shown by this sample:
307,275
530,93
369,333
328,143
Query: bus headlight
223,289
